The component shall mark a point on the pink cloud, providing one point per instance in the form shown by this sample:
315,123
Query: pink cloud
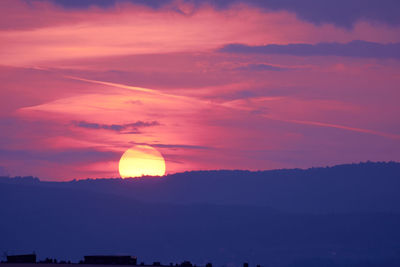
130,29
131,63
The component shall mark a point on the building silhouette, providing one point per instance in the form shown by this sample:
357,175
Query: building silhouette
25,258
110,260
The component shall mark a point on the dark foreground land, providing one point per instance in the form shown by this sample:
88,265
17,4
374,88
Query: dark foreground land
67,265
347,215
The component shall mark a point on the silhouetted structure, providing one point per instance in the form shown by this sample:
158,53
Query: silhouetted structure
26,258
110,260
186,264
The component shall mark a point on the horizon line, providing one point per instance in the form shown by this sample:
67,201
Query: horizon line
194,171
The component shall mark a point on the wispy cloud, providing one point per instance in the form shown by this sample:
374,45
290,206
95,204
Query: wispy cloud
342,127
172,146
340,12
133,127
232,105
261,67
64,34
361,49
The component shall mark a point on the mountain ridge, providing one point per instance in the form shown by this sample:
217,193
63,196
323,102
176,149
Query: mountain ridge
363,187
226,217
366,163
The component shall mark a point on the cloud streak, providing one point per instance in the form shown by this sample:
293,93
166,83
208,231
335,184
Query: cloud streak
342,127
261,67
244,108
64,34
173,146
133,127
360,49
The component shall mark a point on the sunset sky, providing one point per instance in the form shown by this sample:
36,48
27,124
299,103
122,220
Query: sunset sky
209,84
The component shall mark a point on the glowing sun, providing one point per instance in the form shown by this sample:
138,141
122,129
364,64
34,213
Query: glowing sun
141,160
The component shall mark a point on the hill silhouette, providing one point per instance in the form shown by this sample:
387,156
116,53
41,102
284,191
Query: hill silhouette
363,187
345,215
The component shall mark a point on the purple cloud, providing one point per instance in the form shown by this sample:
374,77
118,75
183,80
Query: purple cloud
173,146
261,67
116,127
357,48
340,12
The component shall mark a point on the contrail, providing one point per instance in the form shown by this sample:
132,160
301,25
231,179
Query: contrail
135,88
225,105
140,89
337,126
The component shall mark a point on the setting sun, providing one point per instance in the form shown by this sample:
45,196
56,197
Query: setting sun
141,160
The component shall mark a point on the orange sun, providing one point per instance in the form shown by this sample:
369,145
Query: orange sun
141,160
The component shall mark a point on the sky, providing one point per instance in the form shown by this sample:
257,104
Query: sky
224,84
